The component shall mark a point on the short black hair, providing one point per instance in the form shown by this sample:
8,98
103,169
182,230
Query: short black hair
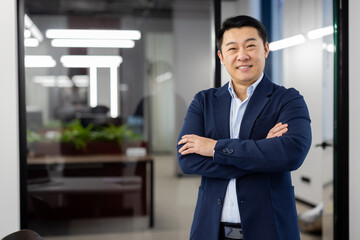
239,22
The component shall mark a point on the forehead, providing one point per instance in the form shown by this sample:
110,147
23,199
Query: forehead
239,35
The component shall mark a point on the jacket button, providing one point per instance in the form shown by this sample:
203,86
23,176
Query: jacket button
219,201
228,150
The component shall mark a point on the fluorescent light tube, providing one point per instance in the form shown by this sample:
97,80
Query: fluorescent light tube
31,42
27,33
35,32
93,62
114,92
86,61
93,34
92,43
93,87
320,32
53,81
287,42
37,61
81,80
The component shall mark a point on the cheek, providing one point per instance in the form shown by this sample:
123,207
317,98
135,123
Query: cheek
261,59
228,60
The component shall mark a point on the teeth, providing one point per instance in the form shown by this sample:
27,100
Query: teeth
243,67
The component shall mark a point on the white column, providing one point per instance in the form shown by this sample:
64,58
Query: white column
114,91
354,111
9,140
93,86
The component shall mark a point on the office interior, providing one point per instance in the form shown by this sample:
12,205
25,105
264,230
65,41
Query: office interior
91,118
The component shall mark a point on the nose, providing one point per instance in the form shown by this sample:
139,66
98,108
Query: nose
242,56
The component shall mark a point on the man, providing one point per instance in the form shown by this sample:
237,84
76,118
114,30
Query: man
244,139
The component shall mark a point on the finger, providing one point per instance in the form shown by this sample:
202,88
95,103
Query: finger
183,141
187,151
189,136
282,132
278,124
276,133
273,129
278,128
185,147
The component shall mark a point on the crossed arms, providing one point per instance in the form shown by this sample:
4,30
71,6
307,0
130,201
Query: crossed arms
205,146
283,149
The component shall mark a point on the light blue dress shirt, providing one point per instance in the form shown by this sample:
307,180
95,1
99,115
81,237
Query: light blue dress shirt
230,211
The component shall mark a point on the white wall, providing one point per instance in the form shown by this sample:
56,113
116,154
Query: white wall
354,88
9,162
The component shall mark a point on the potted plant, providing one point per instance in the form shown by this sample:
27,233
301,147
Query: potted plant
77,139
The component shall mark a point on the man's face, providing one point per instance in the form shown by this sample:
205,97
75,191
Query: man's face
243,54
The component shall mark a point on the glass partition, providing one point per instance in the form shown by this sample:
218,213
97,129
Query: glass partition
106,94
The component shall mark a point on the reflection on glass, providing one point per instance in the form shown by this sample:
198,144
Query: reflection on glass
87,158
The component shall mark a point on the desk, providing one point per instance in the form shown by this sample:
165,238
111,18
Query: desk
87,159
93,177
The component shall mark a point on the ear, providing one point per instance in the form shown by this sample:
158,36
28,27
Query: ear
220,56
267,49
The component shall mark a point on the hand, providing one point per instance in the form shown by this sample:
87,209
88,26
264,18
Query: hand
278,130
196,144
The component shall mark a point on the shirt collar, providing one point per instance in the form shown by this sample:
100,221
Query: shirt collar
250,89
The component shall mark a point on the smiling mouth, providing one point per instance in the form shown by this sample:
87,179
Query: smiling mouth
244,67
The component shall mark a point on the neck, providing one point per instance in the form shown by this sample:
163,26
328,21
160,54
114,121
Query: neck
240,89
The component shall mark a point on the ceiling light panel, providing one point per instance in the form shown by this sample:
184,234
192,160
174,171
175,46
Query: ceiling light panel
287,42
38,61
320,32
31,42
86,61
93,34
92,43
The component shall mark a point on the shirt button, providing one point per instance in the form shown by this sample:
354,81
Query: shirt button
219,201
232,204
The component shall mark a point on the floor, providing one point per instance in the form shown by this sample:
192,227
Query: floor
174,205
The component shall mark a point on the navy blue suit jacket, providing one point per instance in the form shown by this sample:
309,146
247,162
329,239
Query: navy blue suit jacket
261,166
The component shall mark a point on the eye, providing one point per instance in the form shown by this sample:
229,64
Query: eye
250,46
231,49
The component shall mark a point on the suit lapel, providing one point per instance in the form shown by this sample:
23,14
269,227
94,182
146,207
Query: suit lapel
221,105
256,104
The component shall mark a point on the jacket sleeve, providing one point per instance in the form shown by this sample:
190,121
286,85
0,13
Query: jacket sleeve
278,154
195,163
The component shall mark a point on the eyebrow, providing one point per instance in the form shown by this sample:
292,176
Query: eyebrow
247,40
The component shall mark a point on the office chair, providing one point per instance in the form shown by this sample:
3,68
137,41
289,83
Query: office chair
24,234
